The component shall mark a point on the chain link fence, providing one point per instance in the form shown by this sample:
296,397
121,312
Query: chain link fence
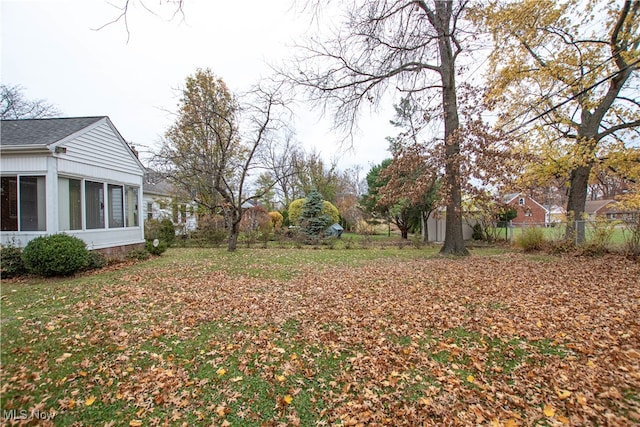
614,234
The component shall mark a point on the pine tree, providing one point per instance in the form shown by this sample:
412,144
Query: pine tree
312,221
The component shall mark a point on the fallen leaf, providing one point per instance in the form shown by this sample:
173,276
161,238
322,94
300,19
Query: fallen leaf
549,410
221,410
89,400
64,357
287,399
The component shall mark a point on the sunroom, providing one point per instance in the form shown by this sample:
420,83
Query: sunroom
71,175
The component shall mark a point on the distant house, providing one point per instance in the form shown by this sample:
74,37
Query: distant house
528,210
609,209
72,175
557,214
160,202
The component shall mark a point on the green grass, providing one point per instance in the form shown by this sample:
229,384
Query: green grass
557,233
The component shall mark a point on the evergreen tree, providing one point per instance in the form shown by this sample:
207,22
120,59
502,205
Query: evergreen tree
312,221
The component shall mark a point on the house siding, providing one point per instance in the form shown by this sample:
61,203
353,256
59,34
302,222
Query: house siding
13,164
98,153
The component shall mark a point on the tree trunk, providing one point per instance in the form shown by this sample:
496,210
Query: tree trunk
575,205
453,239
424,217
233,236
233,222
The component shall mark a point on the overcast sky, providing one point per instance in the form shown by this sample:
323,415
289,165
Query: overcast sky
53,50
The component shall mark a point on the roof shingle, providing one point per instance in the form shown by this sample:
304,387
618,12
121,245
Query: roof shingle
27,132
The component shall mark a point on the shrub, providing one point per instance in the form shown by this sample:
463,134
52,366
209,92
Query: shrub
96,260
156,250
600,237
363,227
294,212
167,232
561,246
138,254
151,229
55,255
254,219
11,264
531,239
276,220
162,230
211,228
478,232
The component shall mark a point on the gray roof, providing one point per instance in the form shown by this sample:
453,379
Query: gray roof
593,206
29,132
159,188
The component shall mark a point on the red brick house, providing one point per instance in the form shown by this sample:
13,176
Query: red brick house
529,211
609,209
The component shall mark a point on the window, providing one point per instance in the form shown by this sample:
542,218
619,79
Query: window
116,206
149,210
33,204
94,204
24,205
9,203
69,204
131,203
521,201
527,212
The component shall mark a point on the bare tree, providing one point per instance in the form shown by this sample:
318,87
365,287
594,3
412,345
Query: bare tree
407,46
212,149
14,105
124,7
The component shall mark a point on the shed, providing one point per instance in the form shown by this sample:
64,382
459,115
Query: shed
334,230
74,175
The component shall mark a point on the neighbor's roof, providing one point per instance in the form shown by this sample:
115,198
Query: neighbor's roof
593,206
509,197
31,132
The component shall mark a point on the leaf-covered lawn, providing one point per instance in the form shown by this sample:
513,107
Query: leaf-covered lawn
320,337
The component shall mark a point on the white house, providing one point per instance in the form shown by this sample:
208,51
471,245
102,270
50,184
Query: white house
70,175
162,201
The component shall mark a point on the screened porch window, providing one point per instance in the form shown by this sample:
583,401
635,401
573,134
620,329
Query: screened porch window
116,206
94,204
24,203
131,203
69,204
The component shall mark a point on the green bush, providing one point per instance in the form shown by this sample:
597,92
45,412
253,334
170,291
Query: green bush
531,239
55,255
478,232
96,260
152,229
138,254
11,264
167,232
211,229
162,230
156,250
